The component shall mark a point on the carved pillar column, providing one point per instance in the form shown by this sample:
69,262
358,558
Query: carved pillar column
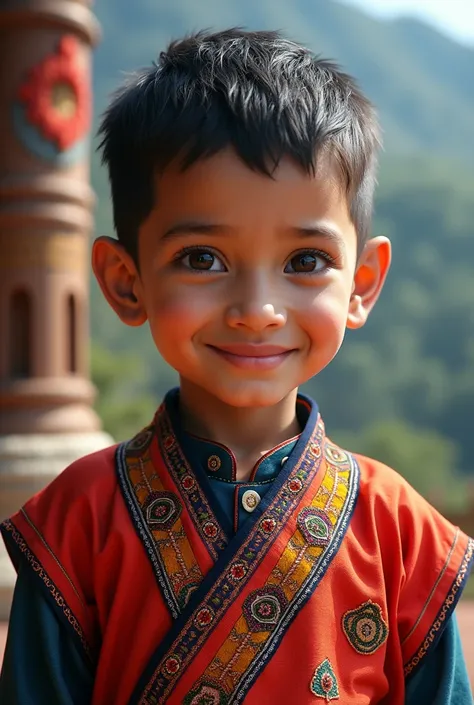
46,202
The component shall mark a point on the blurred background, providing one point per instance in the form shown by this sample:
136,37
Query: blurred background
402,389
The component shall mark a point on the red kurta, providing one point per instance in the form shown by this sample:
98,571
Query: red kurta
336,587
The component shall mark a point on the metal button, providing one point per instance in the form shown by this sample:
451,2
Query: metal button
283,460
214,463
250,500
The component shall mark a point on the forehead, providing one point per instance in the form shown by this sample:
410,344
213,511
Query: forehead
223,187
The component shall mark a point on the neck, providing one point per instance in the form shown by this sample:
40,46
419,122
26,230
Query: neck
249,431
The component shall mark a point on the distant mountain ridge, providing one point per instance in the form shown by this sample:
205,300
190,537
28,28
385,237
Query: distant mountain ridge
420,80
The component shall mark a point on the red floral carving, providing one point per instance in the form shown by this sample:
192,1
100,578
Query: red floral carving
61,70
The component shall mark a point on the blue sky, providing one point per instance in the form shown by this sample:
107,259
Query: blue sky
453,17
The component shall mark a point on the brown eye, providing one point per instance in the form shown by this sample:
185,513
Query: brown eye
201,261
305,263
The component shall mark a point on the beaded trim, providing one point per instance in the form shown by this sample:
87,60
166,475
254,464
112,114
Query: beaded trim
156,515
446,610
193,497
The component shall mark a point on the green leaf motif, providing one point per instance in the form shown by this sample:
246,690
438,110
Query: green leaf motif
324,682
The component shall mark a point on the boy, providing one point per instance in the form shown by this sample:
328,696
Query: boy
230,552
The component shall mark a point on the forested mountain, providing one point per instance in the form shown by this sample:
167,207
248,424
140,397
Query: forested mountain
403,388
420,80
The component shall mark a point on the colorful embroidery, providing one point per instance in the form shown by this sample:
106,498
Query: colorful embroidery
206,693
263,608
268,611
12,534
315,526
365,628
156,514
162,510
268,525
295,485
445,611
324,682
193,495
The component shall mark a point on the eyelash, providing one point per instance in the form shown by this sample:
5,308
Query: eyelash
316,253
179,256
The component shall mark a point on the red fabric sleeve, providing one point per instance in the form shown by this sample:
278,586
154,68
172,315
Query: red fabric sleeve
57,534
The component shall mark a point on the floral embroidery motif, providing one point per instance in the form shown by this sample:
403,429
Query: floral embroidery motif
188,482
295,485
204,617
324,682
162,509
268,525
262,608
365,628
206,693
315,526
210,529
172,665
237,572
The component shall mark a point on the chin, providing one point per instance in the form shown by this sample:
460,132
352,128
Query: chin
245,396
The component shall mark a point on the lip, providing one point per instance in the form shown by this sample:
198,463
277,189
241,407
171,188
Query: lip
253,357
252,349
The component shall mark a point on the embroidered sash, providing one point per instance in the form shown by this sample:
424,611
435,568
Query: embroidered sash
259,580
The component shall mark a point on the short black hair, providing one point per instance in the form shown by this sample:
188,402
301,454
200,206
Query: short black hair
258,92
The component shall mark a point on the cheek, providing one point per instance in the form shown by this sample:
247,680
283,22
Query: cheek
178,315
325,317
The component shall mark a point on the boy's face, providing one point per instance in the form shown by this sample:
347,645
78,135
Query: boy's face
248,282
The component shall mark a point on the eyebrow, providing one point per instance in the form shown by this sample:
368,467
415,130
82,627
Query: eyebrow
187,227
322,230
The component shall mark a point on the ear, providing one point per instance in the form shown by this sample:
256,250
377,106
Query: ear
371,272
119,280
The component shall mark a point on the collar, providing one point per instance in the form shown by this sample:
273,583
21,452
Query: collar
218,461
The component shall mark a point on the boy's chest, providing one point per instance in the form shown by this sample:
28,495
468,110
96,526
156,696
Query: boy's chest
283,602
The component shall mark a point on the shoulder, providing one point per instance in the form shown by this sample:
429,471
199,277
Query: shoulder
397,509
89,480
383,487
73,510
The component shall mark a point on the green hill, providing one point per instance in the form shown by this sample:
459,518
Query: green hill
420,80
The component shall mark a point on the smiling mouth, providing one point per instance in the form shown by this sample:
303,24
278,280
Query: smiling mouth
253,357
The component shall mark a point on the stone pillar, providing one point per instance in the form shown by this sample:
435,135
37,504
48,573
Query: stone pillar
46,414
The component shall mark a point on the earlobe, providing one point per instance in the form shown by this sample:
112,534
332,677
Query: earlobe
369,279
118,279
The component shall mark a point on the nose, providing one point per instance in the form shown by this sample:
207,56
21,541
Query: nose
254,305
